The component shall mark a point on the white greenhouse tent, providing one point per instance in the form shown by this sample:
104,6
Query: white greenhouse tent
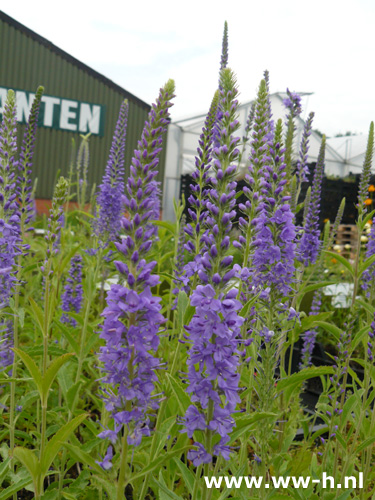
344,155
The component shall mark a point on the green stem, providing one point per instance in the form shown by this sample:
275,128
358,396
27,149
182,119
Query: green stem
159,420
122,479
198,473
14,376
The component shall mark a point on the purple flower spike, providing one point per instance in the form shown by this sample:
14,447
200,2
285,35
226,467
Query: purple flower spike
302,168
293,103
132,316
215,327
309,244
72,295
24,184
274,230
368,277
107,225
309,337
9,221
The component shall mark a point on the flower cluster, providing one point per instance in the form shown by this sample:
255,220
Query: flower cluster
72,295
9,214
132,316
309,337
215,327
274,254
9,221
302,168
107,224
293,103
309,244
213,332
370,343
369,274
24,184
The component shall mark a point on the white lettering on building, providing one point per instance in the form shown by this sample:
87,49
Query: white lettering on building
89,117
49,103
3,97
24,104
67,114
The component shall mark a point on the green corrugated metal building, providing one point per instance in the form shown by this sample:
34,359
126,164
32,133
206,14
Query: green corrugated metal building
77,100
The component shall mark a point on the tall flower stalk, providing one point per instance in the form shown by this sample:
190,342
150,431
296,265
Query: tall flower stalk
309,244
24,182
72,295
214,329
132,316
109,204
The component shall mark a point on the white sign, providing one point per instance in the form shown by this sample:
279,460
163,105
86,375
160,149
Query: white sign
59,113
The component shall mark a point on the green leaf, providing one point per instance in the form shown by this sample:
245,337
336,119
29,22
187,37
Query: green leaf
109,486
180,393
365,444
69,337
73,394
159,461
187,475
369,216
342,261
297,378
51,373
329,327
38,314
368,307
358,337
245,309
83,457
21,316
168,277
246,423
4,469
182,304
365,265
312,288
68,258
32,368
14,488
29,460
161,484
54,444
166,225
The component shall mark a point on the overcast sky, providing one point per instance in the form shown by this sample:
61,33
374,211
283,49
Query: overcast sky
321,46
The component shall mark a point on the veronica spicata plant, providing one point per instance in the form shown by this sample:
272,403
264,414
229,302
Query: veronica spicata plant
214,329
109,199
132,316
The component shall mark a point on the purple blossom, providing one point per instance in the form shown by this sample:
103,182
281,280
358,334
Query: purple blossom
309,244
24,182
302,168
199,456
309,337
273,227
9,221
132,316
368,276
293,103
73,293
107,224
106,463
6,344
215,327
